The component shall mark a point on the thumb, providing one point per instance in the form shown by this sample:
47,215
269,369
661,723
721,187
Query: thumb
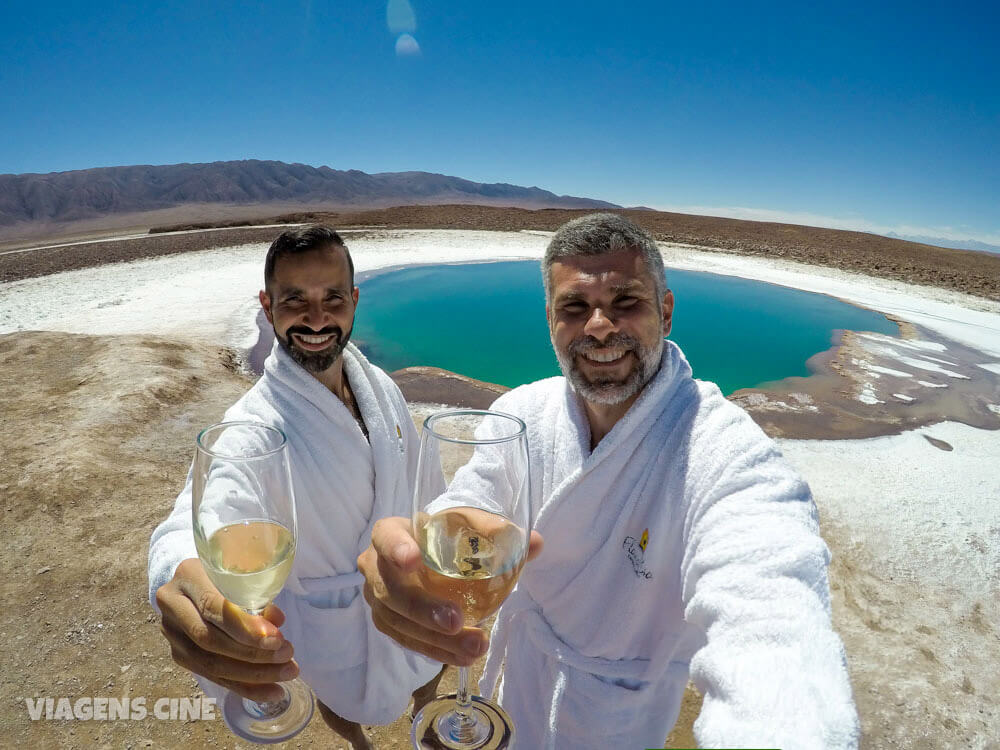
393,543
535,544
252,630
274,614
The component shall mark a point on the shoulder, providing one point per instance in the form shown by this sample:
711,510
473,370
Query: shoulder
384,380
390,388
717,414
723,433
355,362
525,400
258,405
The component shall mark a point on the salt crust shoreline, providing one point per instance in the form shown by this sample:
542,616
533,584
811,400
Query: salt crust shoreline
925,516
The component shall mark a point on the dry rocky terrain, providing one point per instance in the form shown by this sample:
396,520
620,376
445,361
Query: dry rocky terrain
961,270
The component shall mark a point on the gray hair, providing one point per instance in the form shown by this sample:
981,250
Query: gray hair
599,234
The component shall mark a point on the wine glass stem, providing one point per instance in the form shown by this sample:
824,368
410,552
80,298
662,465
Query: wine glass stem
463,699
464,723
266,708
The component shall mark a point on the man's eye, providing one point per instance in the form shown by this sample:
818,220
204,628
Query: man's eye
294,299
574,307
625,301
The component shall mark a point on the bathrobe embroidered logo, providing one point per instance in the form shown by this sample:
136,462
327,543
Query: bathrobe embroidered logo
636,551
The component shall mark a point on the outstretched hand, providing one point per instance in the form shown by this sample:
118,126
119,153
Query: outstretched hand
212,637
404,611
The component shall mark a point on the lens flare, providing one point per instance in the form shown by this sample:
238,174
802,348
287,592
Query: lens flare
406,46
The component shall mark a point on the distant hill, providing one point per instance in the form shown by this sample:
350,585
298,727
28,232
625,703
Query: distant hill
944,242
92,193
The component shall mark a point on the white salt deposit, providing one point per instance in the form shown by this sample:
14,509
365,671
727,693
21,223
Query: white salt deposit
923,364
888,371
927,384
929,514
868,395
211,295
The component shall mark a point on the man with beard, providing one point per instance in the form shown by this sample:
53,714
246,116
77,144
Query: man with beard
677,541
352,452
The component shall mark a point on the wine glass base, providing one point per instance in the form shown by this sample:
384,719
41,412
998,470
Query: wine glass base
257,727
429,731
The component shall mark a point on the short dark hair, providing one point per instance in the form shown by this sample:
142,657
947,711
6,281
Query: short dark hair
301,240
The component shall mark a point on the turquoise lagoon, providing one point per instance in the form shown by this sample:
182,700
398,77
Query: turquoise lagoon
487,321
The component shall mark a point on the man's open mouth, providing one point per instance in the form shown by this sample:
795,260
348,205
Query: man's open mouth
314,343
605,357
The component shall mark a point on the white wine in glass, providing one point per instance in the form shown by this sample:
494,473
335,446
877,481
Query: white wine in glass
471,519
245,531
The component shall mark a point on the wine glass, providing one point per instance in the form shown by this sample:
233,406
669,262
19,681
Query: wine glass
245,531
471,519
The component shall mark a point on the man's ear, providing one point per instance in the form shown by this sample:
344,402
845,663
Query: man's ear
265,303
355,293
668,311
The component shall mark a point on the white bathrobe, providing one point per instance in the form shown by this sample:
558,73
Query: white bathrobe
342,485
682,545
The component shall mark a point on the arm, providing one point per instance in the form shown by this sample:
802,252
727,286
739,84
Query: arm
209,635
773,672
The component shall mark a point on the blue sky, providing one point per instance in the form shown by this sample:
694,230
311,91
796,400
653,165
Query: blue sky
877,116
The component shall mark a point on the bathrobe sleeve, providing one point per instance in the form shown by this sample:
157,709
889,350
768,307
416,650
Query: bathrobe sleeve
491,478
233,493
773,672
171,543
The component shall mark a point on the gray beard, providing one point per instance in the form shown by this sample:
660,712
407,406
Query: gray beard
610,392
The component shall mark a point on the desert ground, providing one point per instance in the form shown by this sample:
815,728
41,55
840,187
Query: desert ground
102,404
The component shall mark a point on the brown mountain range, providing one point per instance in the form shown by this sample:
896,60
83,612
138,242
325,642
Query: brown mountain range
62,197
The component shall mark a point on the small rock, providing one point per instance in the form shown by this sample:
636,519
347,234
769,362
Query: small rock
46,569
126,668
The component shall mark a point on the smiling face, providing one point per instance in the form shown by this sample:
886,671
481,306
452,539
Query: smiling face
607,324
310,303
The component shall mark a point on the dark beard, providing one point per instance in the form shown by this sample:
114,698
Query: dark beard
315,361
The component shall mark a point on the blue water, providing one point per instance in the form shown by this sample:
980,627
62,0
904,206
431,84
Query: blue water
487,321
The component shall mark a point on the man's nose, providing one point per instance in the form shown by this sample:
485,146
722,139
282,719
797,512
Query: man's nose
315,314
599,325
